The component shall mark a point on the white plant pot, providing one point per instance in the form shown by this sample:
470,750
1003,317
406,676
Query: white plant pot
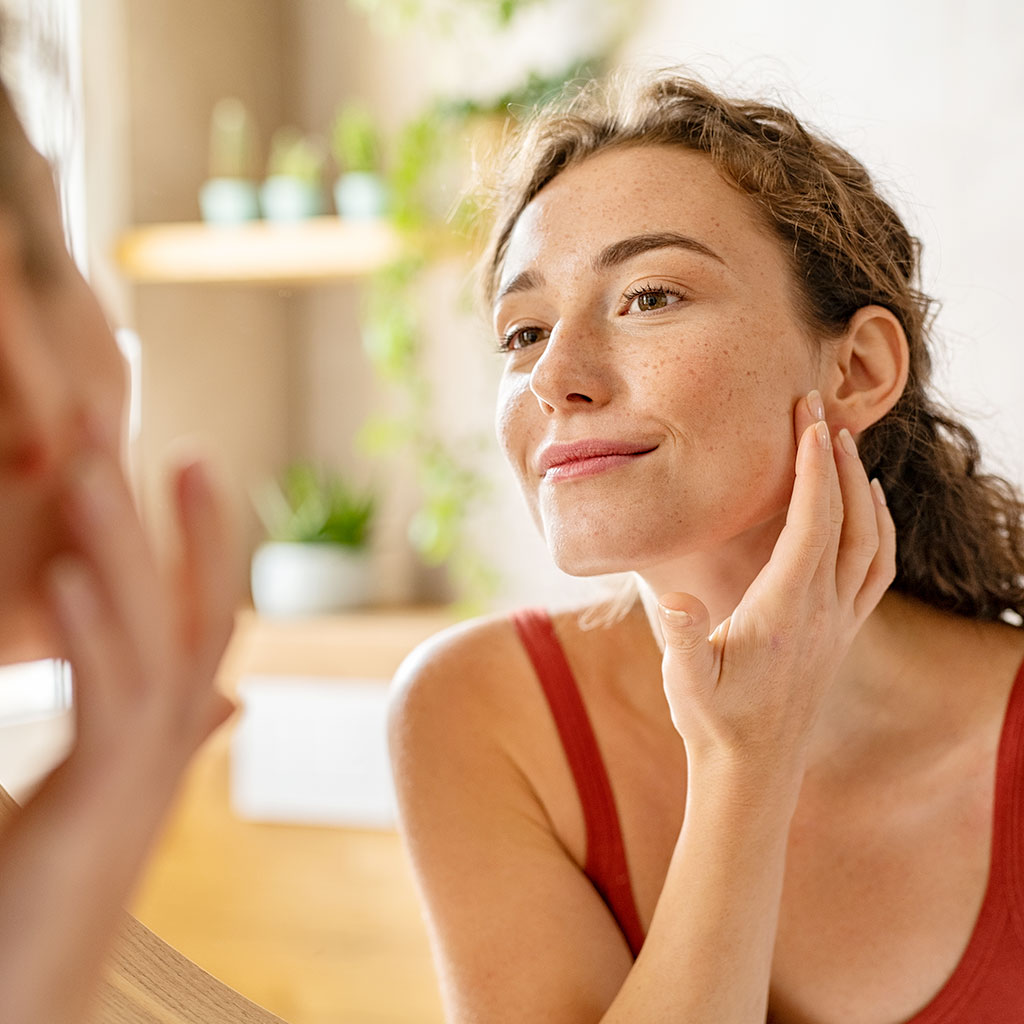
360,195
295,580
287,199
229,201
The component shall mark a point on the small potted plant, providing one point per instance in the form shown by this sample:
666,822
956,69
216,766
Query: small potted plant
360,192
316,557
293,188
231,194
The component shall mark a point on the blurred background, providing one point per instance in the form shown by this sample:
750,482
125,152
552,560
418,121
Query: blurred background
320,339
368,358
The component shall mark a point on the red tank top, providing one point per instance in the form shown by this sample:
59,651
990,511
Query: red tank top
987,986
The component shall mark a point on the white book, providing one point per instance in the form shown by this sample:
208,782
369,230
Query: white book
312,750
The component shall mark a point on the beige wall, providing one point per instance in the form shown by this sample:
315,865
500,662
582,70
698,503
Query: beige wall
256,375
263,375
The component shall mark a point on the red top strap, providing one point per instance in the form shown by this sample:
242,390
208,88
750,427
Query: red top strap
606,865
985,987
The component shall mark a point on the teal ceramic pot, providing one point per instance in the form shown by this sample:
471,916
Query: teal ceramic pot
284,198
360,195
229,201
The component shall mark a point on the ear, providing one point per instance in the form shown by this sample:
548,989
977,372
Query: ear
869,370
30,400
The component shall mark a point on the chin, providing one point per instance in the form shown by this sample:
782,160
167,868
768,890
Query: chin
582,552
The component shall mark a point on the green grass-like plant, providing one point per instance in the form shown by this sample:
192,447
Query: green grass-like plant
295,155
316,506
355,138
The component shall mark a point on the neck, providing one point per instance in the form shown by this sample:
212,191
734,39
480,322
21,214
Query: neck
718,577
913,669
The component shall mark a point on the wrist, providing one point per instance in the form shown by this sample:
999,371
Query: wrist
746,779
129,774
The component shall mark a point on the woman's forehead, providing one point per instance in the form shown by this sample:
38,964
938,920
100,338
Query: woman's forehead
622,193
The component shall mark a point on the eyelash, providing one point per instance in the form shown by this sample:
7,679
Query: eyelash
648,289
507,342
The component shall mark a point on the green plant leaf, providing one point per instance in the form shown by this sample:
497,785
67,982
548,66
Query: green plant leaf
313,506
355,138
295,155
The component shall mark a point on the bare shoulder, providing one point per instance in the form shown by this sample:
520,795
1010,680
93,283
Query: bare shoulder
484,796
466,702
470,669
472,692
480,667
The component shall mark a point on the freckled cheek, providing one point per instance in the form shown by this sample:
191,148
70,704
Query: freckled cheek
718,391
512,421
696,386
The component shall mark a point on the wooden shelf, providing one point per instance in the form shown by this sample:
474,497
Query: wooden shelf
307,252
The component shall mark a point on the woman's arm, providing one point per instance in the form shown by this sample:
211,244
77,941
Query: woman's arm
517,929
144,649
519,932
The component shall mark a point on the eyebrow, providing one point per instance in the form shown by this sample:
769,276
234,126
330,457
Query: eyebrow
617,253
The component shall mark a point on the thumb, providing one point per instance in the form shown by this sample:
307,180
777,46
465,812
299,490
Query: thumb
689,660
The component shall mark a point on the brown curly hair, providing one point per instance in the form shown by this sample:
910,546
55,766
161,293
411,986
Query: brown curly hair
961,531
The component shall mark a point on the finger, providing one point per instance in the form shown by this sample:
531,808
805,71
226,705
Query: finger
102,517
811,531
882,570
208,592
859,540
689,661
221,709
812,411
89,638
809,409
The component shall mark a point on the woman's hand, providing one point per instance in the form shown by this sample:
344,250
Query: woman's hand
144,644
753,688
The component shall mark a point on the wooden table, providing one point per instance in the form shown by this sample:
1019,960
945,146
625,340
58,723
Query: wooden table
319,925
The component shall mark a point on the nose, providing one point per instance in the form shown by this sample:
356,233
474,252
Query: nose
572,371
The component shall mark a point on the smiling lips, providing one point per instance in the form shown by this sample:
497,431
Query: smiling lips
587,458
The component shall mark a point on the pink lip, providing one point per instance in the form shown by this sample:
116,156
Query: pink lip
585,458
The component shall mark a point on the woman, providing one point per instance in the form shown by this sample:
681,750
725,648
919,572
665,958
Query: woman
78,579
786,783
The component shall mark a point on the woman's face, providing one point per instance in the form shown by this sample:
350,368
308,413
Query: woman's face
654,359
58,360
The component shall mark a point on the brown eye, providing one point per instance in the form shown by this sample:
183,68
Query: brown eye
649,298
522,337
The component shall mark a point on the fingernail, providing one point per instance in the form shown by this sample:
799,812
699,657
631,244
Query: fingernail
876,490
848,443
822,435
674,615
815,404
